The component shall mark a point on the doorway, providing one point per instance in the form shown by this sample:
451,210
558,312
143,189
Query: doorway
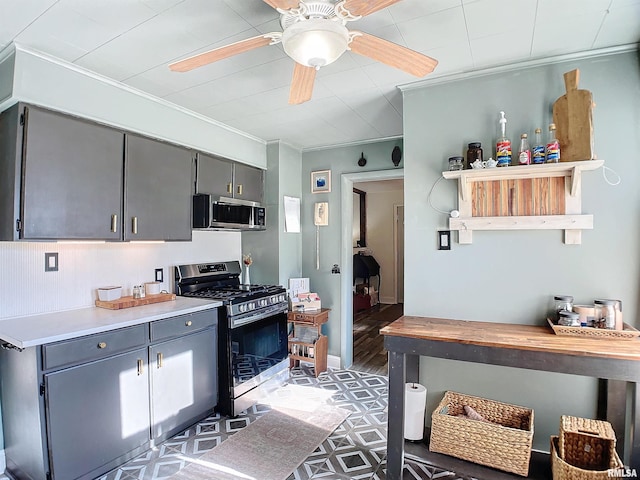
346,287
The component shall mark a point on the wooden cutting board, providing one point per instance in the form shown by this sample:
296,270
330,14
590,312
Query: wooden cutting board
128,302
573,116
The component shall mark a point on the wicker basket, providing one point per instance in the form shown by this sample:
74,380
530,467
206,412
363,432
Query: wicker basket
504,442
586,443
561,470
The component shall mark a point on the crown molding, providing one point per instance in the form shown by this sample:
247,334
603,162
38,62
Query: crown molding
509,67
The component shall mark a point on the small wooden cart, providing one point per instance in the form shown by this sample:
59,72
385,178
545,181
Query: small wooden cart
306,341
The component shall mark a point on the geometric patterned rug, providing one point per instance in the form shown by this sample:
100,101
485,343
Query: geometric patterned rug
355,450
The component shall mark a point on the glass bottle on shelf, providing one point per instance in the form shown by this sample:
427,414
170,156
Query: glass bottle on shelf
503,145
553,146
538,147
524,154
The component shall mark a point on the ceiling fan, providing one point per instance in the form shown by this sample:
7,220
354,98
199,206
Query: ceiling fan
314,35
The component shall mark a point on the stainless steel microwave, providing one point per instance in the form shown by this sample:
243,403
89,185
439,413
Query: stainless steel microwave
227,213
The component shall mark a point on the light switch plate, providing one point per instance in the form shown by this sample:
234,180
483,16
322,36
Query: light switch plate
444,239
51,261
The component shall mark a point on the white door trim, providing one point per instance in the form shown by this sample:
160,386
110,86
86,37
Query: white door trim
395,251
346,279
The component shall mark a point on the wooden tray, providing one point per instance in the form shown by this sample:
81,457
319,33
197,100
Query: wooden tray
629,333
127,302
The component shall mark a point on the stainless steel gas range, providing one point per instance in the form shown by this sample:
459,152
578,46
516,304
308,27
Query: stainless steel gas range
252,334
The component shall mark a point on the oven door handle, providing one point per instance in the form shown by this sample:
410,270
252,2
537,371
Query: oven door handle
254,317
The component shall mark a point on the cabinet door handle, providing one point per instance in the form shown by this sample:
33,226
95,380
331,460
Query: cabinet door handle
229,188
140,366
188,323
114,223
134,225
240,189
160,358
102,345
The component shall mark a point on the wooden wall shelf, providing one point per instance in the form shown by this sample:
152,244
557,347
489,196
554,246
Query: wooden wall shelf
528,197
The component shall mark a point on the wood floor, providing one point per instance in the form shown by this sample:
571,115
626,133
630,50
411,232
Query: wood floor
369,354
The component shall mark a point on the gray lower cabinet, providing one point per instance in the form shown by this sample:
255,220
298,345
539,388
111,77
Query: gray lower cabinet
183,382
96,413
75,409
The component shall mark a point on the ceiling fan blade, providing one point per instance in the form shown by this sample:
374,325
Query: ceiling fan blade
283,4
392,54
366,7
301,84
220,53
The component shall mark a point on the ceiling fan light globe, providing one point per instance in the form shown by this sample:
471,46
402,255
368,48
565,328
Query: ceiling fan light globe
315,42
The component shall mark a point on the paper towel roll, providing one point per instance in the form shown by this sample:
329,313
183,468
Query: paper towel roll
415,400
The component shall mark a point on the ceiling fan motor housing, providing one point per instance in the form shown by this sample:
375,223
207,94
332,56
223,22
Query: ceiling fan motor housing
315,42
313,34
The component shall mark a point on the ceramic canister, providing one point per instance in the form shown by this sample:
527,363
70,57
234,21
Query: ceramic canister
152,288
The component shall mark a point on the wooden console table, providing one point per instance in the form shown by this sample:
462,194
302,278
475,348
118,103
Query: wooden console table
522,346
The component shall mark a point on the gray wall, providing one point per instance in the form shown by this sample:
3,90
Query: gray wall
276,253
510,276
340,161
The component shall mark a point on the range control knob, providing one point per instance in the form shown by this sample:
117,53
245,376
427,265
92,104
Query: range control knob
242,308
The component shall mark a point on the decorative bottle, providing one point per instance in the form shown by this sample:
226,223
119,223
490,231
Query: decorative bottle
538,148
524,154
503,145
553,146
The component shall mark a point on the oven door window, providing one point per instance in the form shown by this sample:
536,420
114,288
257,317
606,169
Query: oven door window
258,346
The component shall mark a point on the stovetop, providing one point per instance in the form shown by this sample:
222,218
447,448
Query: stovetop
221,281
236,293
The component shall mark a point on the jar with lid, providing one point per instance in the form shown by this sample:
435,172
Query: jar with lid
561,302
474,153
604,314
568,319
455,163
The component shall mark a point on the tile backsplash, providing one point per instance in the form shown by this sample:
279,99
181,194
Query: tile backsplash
26,289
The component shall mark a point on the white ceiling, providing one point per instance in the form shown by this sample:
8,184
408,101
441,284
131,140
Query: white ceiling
354,99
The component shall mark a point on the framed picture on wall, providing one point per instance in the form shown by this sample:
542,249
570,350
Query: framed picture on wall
321,181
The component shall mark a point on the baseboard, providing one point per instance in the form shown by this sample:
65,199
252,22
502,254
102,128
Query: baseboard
333,361
388,300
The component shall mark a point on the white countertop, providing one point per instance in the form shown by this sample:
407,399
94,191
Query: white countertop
33,330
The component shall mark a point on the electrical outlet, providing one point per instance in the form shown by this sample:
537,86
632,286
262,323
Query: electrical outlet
444,240
51,261
159,275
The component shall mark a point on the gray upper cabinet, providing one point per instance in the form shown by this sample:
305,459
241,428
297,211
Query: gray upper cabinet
63,177
223,178
248,183
158,179
214,176
71,177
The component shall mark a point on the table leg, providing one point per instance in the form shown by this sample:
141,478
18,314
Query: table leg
634,435
395,421
412,363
